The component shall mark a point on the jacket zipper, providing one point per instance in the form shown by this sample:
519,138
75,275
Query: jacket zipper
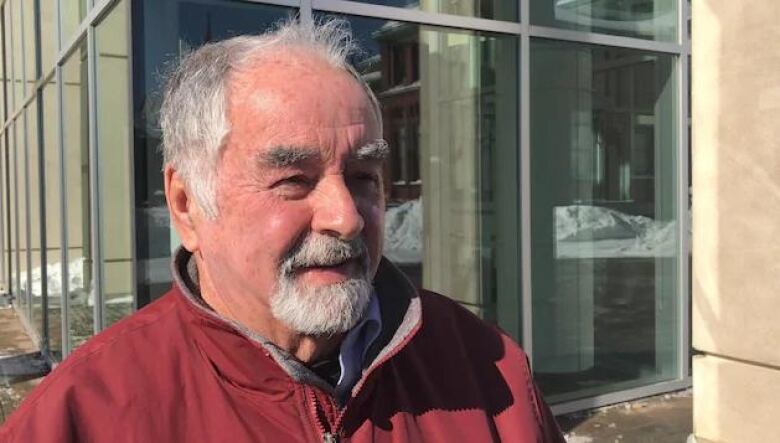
332,436
327,436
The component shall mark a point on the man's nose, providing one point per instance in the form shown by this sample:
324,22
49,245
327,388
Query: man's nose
336,212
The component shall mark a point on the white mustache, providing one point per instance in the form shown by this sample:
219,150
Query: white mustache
324,250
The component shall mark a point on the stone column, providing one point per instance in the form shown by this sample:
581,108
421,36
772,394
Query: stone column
736,219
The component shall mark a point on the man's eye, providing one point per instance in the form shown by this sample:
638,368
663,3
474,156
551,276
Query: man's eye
295,182
366,179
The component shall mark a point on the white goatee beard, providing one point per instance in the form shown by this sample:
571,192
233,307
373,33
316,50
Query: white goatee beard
323,310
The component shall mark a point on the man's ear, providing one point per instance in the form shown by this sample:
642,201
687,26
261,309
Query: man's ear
182,208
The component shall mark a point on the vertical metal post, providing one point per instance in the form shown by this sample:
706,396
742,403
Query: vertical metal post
65,283
683,194
525,181
41,187
94,184
6,221
127,4
306,15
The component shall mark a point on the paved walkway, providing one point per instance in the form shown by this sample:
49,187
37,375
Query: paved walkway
13,341
663,419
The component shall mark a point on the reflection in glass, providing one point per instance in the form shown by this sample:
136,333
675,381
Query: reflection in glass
491,9
603,218
53,219
113,116
649,19
80,296
35,220
166,29
449,105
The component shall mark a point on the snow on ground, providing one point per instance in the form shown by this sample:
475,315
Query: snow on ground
54,277
595,232
403,233
574,438
581,231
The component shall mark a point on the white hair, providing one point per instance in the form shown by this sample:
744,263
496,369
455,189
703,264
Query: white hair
322,310
193,115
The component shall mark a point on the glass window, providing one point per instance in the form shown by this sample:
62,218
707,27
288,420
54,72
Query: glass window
80,296
30,42
53,219
35,219
72,12
649,19
48,41
16,41
492,9
113,126
603,206
166,29
450,111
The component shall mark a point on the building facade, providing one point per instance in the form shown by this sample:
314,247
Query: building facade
736,109
539,167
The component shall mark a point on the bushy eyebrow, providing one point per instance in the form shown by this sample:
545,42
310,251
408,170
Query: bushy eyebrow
377,150
285,156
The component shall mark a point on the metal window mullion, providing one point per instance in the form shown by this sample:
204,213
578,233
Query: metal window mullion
305,11
16,204
26,148
94,185
27,213
95,15
605,39
415,16
684,244
6,227
525,184
620,396
131,153
42,227
65,283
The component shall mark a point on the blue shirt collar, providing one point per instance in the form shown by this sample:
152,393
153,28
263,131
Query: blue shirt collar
352,353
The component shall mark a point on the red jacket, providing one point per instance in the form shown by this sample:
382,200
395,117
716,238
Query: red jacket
175,372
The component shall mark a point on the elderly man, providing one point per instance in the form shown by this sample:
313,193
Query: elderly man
284,323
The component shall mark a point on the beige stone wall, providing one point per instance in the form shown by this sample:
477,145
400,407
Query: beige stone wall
736,217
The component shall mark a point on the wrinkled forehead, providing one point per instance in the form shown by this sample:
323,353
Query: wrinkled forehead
299,86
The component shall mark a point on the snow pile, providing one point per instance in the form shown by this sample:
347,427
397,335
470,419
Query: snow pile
596,232
403,233
54,277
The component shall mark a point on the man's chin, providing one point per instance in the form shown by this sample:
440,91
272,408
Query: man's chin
322,310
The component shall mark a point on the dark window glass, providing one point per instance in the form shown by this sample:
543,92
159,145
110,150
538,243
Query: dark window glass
162,30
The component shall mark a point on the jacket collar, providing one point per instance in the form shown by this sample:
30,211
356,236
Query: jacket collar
399,304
